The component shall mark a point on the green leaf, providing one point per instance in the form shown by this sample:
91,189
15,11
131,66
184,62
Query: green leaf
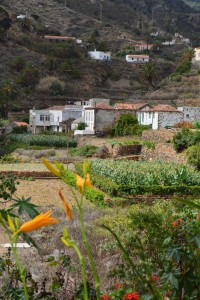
189,203
197,240
30,241
174,252
24,206
172,278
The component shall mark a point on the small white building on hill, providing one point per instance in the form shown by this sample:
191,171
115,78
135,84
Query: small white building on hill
99,55
133,58
196,58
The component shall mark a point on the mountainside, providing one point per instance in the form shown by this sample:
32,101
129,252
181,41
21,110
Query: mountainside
135,17
108,25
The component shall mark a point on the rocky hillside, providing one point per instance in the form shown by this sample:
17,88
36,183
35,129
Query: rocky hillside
121,18
183,91
109,25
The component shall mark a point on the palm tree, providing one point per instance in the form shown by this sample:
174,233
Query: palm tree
18,63
8,92
51,62
149,73
186,56
29,74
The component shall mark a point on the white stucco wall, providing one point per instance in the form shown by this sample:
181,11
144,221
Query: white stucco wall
196,54
89,119
145,117
155,121
135,59
99,55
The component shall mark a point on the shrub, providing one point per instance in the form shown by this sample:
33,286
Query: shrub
18,63
81,126
194,156
95,196
56,88
184,124
20,129
9,159
149,145
196,125
182,140
50,84
126,124
86,151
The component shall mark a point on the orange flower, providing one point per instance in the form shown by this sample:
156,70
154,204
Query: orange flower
83,183
39,221
177,222
68,210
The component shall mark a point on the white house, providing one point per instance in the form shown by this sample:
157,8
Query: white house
196,58
142,47
52,118
160,116
137,58
92,101
99,55
169,43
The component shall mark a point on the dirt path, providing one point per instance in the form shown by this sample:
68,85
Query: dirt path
44,193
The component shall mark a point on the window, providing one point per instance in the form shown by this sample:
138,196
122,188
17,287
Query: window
187,116
44,118
58,119
149,115
142,117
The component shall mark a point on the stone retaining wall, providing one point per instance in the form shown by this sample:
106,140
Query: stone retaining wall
124,150
161,135
162,151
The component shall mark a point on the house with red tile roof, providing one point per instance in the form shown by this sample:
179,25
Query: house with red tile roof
132,106
160,116
58,38
16,123
99,115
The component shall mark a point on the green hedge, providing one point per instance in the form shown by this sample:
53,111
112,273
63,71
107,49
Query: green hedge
160,190
95,196
91,193
106,185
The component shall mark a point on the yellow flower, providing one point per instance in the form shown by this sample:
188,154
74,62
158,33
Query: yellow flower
51,167
68,209
39,221
83,183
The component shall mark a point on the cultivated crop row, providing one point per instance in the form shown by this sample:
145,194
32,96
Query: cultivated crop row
135,174
43,140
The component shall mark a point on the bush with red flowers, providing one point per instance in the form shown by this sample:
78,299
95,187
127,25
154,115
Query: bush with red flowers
131,296
105,297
